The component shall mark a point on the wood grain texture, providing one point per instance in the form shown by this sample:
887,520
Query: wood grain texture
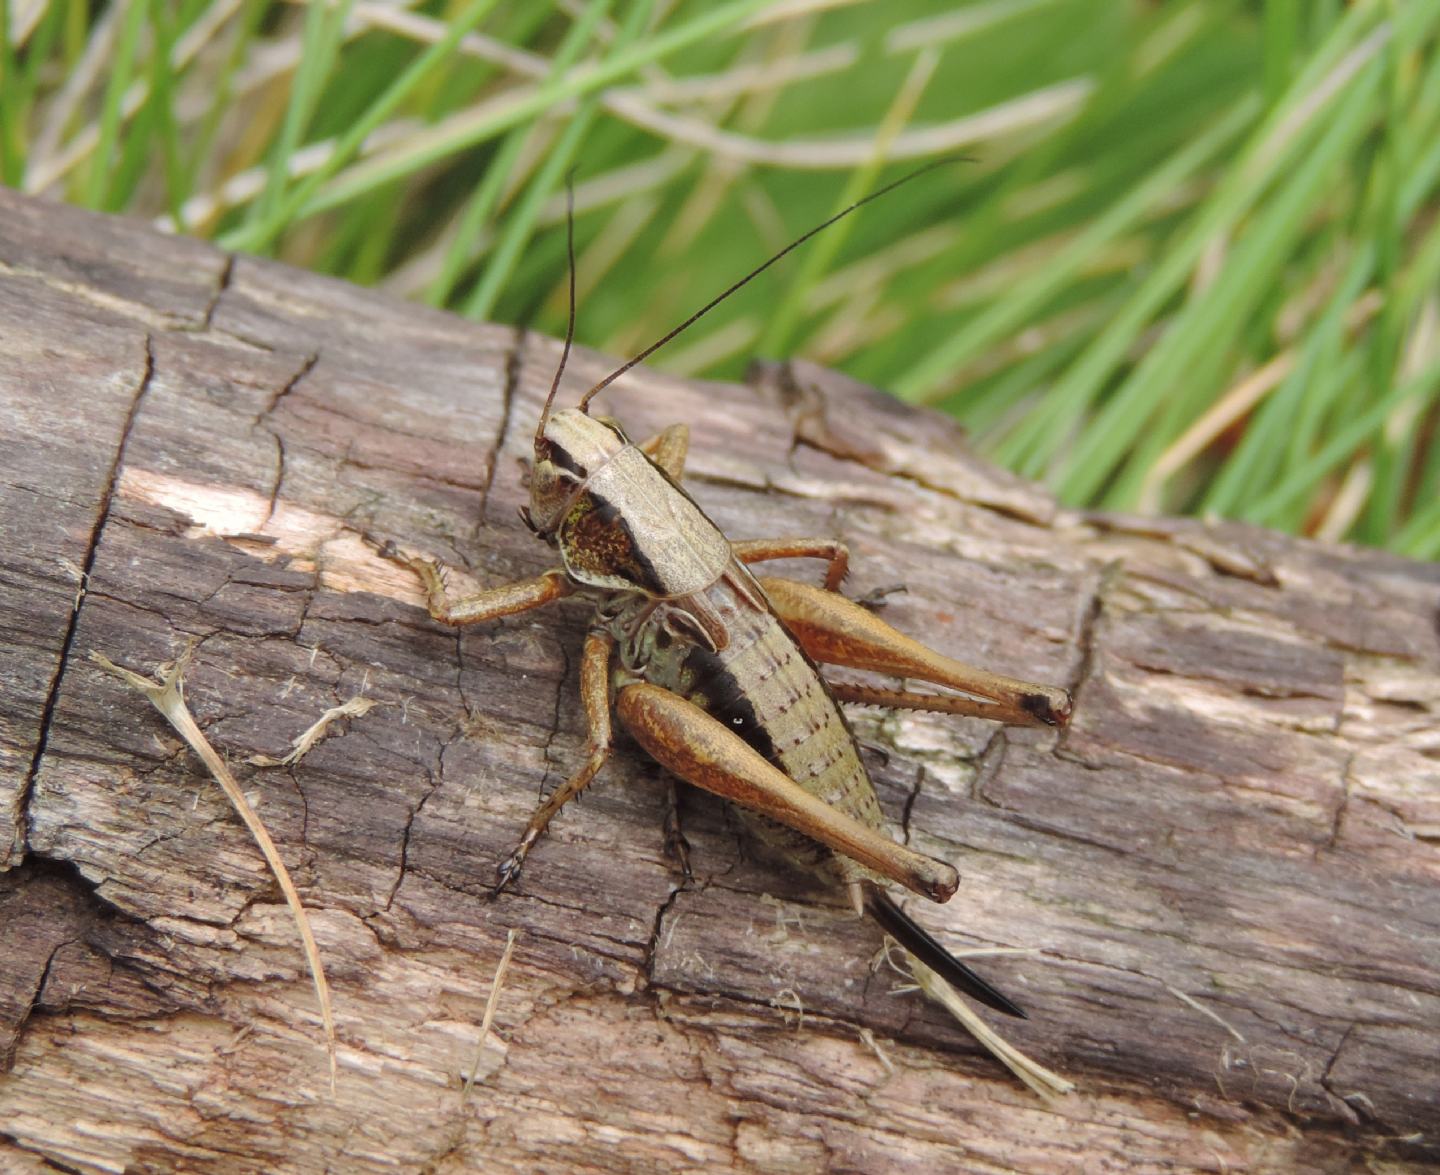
1224,871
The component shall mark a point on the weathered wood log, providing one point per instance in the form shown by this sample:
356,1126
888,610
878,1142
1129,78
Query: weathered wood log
1225,869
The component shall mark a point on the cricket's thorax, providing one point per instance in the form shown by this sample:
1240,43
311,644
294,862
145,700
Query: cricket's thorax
757,682
630,526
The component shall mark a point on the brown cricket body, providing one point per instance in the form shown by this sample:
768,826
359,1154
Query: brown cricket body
691,619
714,672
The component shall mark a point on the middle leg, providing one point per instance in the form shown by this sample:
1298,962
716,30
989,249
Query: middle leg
595,697
677,848
833,550
668,450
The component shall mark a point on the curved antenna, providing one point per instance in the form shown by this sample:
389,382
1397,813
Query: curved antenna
570,325
758,270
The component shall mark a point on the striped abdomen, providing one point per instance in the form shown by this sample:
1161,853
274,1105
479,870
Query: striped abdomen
761,685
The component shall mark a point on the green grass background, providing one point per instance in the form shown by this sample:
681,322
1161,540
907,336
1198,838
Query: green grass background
1191,266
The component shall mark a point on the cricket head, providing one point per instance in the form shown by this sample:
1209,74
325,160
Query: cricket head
570,448
619,522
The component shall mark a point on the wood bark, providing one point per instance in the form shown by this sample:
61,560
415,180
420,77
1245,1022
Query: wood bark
1221,877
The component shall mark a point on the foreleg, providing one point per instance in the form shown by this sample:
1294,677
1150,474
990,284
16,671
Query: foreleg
505,600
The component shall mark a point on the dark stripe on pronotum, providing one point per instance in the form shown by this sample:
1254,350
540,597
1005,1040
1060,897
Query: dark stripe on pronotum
559,457
617,535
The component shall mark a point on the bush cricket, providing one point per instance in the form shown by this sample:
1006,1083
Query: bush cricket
713,671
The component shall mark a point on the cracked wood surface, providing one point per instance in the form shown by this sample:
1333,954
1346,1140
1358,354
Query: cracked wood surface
1224,871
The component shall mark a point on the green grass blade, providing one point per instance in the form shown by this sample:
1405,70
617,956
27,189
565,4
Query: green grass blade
271,224
162,97
12,162
431,149
1105,441
1346,441
222,92
521,224
1395,454
320,48
1033,293
819,256
1207,328
481,207
1269,153
501,170
1281,30
98,186
1420,536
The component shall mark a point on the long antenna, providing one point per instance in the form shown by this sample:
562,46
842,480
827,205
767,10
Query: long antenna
570,325
754,273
